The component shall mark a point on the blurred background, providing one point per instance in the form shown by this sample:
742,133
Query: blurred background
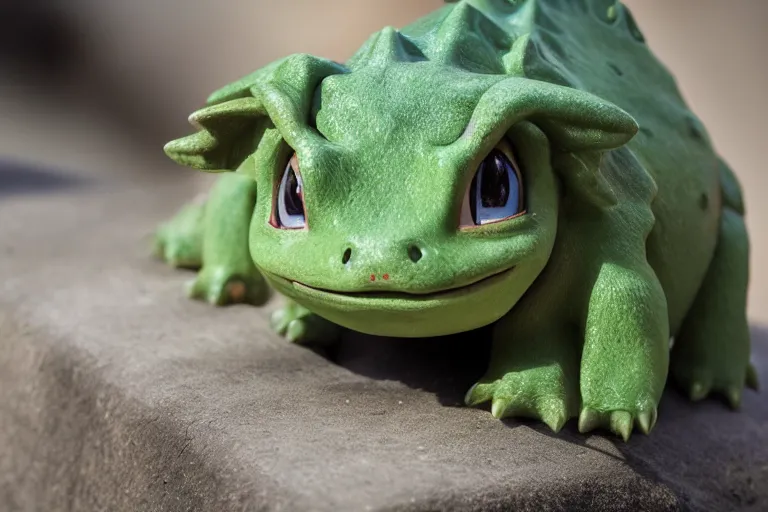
94,86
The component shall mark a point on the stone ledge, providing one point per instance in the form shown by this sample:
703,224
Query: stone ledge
116,393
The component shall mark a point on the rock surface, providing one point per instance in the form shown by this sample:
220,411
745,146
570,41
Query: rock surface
117,393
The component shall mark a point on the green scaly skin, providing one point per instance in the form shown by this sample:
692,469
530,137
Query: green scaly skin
629,237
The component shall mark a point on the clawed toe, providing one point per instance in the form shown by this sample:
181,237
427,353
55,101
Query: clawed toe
733,396
555,420
478,394
620,423
702,387
589,419
279,321
299,325
752,380
175,253
296,331
698,390
499,408
647,420
178,242
508,400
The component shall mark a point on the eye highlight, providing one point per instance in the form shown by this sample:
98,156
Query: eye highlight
496,192
289,210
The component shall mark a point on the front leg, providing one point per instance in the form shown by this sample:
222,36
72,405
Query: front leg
626,349
534,370
228,274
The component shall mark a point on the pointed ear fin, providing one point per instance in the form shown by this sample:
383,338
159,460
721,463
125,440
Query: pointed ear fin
231,128
227,131
584,132
600,129
573,120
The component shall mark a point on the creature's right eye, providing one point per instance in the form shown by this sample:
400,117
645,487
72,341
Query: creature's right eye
289,210
496,192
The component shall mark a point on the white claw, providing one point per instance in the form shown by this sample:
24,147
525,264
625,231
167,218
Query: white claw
468,396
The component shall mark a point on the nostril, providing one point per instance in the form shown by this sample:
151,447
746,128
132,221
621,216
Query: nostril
414,253
347,256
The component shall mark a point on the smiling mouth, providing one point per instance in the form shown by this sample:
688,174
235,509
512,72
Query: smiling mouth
412,296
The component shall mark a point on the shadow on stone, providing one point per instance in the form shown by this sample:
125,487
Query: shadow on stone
449,365
446,366
18,178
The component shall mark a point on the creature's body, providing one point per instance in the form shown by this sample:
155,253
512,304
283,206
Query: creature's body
604,244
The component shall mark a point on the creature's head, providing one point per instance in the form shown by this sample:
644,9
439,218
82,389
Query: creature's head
403,198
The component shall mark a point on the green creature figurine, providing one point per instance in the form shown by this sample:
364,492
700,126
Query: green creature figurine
526,163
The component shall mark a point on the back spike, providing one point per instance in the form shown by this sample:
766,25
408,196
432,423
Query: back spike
384,47
470,39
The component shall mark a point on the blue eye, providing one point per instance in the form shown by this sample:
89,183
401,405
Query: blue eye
495,192
290,198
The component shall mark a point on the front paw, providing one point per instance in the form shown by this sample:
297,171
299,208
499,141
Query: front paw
544,393
618,407
619,421
220,286
179,242
625,356
299,325
702,374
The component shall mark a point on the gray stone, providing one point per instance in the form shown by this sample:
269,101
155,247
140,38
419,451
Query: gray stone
117,393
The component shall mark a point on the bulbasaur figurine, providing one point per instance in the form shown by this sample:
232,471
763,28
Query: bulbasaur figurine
523,163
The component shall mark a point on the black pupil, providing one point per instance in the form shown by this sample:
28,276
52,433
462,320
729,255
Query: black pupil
494,186
292,195
494,191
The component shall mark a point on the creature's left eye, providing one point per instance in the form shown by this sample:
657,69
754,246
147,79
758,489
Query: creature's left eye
290,198
495,194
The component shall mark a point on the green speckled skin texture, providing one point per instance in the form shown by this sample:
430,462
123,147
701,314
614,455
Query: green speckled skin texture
632,231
